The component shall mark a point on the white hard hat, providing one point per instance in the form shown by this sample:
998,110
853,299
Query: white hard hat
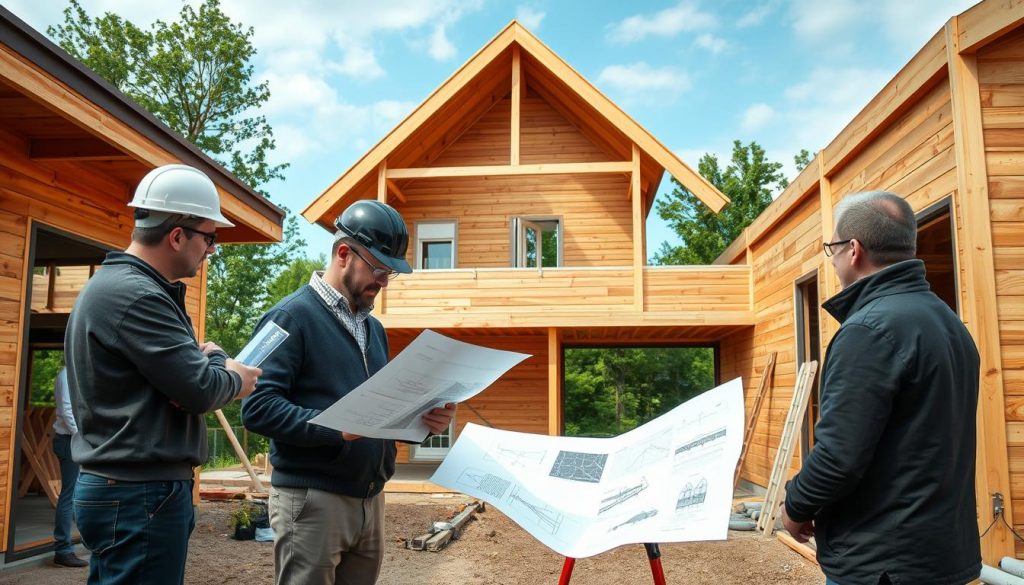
177,189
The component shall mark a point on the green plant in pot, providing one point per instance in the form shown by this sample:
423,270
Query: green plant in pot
242,520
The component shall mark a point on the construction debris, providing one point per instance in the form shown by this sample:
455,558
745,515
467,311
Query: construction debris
440,534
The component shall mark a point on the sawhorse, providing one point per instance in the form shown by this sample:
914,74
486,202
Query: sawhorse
653,555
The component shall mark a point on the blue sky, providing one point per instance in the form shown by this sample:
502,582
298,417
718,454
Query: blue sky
697,74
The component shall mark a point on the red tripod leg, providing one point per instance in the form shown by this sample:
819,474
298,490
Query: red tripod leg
566,571
654,556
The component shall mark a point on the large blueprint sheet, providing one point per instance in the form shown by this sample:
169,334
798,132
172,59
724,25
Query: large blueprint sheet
431,371
669,480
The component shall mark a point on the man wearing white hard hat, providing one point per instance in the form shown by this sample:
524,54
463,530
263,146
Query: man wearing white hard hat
141,382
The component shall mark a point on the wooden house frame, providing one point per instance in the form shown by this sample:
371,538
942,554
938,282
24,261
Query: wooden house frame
517,132
72,149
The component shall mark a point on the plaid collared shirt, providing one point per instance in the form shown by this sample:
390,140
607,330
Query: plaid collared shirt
336,302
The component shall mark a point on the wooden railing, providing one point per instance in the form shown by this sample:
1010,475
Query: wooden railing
566,296
56,289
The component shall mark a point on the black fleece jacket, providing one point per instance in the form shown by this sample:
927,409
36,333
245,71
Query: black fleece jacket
890,481
316,365
139,384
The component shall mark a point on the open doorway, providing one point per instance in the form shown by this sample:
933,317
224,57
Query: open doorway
61,264
808,348
935,248
611,390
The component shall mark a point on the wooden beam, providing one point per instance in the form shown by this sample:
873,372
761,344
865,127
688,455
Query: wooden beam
986,22
517,97
638,233
554,383
980,311
382,182
829,280
592,168
393,188
74,149
477,63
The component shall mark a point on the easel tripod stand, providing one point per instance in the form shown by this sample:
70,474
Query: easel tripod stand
653,556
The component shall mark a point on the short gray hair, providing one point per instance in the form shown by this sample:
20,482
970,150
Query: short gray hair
882,222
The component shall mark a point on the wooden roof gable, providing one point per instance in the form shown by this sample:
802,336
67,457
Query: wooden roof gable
484,80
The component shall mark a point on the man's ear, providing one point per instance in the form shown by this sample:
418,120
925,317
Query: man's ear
174,238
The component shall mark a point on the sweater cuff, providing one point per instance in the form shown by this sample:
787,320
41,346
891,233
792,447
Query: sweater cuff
328,435
794,514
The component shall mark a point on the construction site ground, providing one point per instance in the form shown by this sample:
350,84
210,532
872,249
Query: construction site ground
492,550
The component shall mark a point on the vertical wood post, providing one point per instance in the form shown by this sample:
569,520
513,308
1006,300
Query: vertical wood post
980,311
638,233
554,383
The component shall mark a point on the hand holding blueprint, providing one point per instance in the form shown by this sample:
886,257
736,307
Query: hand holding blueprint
669,480
262,344
432,371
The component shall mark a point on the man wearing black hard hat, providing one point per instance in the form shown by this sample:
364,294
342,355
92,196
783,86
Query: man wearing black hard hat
326,500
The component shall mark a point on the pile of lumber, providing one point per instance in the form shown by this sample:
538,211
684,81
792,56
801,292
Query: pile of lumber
440,534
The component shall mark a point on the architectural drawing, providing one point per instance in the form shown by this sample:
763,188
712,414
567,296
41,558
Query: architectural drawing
642,454
515,456
575,466
618,496
692,494
642,516
544,515
487,483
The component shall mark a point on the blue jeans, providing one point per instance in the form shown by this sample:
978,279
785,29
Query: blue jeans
65,505
137,531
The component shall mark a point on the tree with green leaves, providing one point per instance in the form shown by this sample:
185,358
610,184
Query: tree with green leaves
196,76
609,391
748,181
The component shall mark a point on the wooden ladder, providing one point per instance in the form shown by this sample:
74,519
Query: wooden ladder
783,457
762,390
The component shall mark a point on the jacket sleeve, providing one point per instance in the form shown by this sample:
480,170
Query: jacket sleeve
271,410
165,351
860,382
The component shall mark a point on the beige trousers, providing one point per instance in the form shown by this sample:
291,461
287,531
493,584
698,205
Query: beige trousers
321,538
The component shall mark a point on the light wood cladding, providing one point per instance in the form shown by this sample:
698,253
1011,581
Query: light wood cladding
595,215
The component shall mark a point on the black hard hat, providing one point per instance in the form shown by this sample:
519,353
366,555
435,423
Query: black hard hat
380,229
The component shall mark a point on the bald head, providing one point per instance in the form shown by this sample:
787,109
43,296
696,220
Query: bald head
882,222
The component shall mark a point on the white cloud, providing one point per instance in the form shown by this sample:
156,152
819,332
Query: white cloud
757,116
910,23
683,17
712,43
756,16
529,17
441,48
641,82
832,21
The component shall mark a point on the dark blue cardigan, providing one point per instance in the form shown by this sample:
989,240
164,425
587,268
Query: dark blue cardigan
319,363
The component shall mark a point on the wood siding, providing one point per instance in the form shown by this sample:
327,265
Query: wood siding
1001,80
76,201
594,211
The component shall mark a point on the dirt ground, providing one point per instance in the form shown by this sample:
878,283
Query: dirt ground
492,551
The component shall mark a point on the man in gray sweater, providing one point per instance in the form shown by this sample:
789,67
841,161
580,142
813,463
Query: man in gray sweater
141,382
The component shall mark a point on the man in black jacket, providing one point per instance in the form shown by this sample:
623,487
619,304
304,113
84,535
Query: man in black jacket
141,383
326,500
888,489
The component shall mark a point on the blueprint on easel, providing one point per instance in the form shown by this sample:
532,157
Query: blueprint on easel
669,480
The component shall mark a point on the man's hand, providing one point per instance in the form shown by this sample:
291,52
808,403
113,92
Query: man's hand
350,436
800,531
438,419
208,347
248,375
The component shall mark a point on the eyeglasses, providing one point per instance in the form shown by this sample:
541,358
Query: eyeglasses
827,246
210,237
378,273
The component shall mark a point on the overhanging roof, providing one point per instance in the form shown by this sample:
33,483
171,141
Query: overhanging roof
477,70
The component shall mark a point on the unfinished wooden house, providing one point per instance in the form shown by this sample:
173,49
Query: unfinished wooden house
525,190
516,144
72,149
